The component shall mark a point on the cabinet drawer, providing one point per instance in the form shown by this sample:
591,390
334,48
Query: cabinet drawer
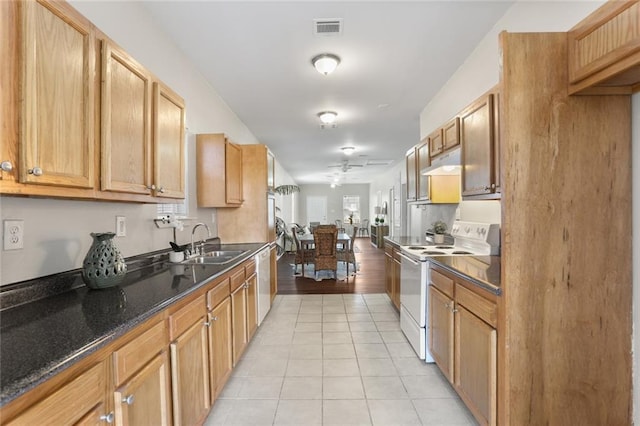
250,268
388,250
132,356
68,404
442,282
184,318
237,279
478,305
218,293
396,255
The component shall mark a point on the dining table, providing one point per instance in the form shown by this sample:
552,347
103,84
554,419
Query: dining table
344,240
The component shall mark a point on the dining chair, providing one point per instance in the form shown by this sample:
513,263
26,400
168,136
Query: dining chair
313,226
325,258
348,255
364,228
303,255
339,225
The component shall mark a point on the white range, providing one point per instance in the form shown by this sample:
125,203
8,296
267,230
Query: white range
470,239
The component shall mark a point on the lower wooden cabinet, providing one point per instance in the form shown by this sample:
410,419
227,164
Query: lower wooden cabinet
145,398
392,275
463,342
252,305
220,347
239,322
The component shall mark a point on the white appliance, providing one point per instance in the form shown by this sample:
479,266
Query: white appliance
263,267
470,239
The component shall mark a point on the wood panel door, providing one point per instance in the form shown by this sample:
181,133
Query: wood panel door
220,347
190,375
477,137
451,134
396,283
252,305
233,173
441,331
388,270
239,322
435,143
126,123
423,162
476,365
58,89
412,184
145,398
168,142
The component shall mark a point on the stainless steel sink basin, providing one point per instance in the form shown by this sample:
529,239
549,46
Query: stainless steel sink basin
215,257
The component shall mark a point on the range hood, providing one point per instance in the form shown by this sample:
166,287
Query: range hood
446,164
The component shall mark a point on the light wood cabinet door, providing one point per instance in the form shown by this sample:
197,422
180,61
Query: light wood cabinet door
388,281
220,347
396,284
274,273
126,123
58,85
82,400
451,134
190,375
252,305
476,365
239,322
441,331
477,138
435,143
145,398
233,173
168,142
423,163
412,184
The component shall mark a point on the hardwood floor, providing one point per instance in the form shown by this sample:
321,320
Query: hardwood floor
369,279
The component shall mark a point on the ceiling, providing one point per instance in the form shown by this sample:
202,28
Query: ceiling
395,56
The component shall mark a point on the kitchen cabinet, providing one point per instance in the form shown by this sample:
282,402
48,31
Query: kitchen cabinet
220,341
451,134
477,137
219,171
168,142
252,299
392,274
435,143
377,234
463,341
422,164
603,54
255,220
190,363
57,138
412,182
81,400
274,272
238,314
126,164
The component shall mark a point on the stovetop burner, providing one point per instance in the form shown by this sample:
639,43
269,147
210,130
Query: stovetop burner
416,248
461,252
445,247
432,252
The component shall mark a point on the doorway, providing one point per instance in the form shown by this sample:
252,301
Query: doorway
317,209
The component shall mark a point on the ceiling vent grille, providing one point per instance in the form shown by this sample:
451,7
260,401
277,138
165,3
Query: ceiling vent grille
331,26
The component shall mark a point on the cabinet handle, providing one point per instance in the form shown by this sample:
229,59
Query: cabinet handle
36,171
128,399
6,166
161,189
214,318
107,417
151,187
207,324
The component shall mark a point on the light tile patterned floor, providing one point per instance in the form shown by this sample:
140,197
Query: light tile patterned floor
335,360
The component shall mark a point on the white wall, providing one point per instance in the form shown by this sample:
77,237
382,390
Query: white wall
334,199
57,231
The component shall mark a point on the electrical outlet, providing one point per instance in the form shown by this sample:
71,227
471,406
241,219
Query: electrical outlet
13,234
121,226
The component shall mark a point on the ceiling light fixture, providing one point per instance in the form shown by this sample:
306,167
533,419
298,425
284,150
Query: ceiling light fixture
325,63
328,117
348,150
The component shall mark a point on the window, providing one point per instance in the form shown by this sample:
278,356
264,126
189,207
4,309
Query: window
351,208
178,210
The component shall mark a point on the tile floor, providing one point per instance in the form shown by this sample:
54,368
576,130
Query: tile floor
335,360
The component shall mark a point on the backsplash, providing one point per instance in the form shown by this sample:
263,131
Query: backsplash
421,217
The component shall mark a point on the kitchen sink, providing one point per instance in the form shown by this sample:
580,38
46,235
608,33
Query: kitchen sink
217,257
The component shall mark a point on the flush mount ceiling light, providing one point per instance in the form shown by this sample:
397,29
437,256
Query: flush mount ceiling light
325,63
348,150
328,117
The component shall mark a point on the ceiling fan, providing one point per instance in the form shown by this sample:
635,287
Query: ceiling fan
345,166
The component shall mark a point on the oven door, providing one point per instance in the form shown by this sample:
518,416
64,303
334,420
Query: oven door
413,289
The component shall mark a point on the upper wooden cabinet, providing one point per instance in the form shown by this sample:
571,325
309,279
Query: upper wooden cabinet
57,124
412,183
477,136
435,143
219,171
126,123
604,50
422,164
168,142
451,134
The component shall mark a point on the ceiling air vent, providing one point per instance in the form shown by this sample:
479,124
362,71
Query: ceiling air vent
327,26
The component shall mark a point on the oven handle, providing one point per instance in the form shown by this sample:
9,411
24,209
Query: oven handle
409,259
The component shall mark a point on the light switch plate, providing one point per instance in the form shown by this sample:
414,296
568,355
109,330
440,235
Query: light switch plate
13,234
121,226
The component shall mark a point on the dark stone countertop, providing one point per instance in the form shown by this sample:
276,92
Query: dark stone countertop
43,337
483,271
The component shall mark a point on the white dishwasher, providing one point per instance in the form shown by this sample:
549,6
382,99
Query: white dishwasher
263,266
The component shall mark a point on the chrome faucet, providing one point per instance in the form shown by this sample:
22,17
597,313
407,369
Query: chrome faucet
193,231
